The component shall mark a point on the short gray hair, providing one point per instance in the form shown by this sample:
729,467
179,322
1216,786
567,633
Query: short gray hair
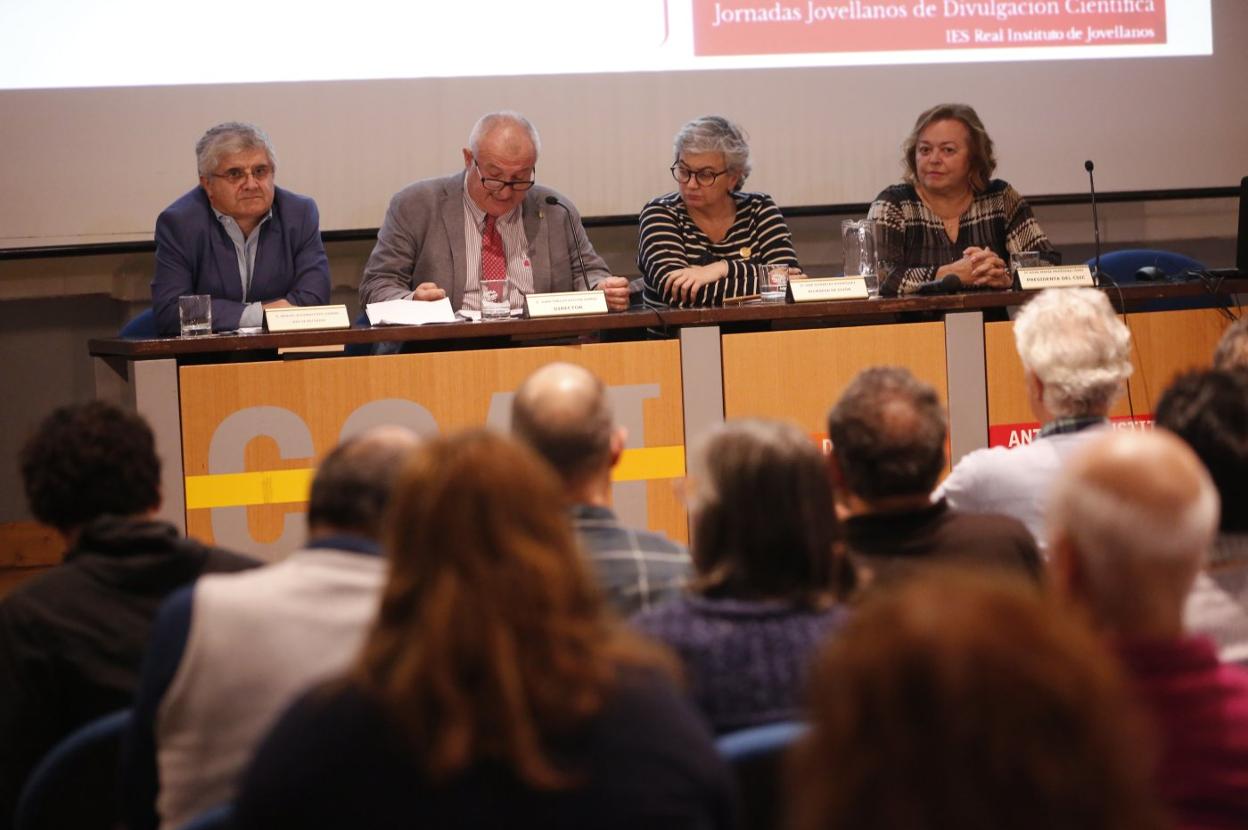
230,137
1071,340
1232,351
491,120
352,485
716,134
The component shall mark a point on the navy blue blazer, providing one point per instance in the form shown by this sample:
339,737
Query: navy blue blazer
194,255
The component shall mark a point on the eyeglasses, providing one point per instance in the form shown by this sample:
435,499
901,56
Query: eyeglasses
236,175
706,176
495,185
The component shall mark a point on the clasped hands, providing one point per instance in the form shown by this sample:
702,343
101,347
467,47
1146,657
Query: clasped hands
979,268
616,289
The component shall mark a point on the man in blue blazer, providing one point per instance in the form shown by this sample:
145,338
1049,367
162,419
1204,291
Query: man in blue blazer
238,237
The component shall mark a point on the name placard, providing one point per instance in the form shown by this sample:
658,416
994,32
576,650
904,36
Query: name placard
1055,276
565,303
307,318
828,288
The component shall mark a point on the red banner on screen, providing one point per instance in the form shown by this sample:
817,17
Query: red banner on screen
773,27
1013,435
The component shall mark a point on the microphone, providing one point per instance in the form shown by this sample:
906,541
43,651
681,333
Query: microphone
553,201
1097,276
949,284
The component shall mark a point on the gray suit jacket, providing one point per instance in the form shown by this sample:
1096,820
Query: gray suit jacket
422,240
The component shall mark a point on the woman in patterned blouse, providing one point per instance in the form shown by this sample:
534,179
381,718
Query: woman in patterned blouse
709,241
951,216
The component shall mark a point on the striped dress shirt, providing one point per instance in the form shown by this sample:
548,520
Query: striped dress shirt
515,246
670,241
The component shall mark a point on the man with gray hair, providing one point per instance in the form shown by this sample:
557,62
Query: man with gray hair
238,237
1076,357
1130,521
440,235
228,655
1232,350
888,451
562,412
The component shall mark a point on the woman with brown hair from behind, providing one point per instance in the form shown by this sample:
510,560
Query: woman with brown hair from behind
493,690
960,702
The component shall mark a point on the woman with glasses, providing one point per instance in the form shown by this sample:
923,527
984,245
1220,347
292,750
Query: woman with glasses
950,217
709,241
494,689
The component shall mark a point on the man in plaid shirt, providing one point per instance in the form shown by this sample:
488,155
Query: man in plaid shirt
562,412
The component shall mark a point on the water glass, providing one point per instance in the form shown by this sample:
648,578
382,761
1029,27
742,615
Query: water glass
1024,259
775,283
495,300
195,315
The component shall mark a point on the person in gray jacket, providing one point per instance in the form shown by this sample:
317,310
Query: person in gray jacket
440,233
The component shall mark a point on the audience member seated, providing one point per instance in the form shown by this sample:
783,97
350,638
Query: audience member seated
964,701
950,217
1132,519
238,237
71,639
562,412
230,653
1209,410
494,689
888,450
439,235
1232,351
768,572
1076,357
709,241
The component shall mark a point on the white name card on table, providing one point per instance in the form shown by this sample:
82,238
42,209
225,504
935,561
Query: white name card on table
307,318
828,288
410,312
565,303
1055,276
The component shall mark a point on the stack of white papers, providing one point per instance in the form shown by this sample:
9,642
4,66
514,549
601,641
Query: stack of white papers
410,312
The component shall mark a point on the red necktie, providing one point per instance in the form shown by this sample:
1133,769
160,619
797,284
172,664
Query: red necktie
493,258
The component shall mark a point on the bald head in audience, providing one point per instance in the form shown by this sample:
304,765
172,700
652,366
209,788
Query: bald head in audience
562,411
352,484
1129,525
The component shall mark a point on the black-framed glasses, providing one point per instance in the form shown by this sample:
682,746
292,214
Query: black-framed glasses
235,175
706,176
495,185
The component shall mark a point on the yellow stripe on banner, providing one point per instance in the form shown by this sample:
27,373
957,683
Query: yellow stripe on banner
292,486
244,489
648,463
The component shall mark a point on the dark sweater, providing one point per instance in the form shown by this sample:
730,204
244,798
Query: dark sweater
71,639
895,545
745,660
337,760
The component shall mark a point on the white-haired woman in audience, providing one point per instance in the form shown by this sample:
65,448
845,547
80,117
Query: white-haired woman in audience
769,571
1076,356
709,241
950,216
493,690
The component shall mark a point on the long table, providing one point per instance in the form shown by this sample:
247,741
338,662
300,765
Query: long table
240,427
